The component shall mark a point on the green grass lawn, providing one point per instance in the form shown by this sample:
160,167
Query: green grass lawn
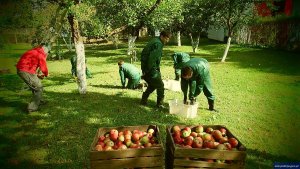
257,90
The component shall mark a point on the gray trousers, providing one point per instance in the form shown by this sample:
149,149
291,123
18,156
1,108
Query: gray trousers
36,87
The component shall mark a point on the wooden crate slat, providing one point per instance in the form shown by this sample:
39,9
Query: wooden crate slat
128,163
197,164
142,152
210,154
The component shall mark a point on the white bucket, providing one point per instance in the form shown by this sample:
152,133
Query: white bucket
183,110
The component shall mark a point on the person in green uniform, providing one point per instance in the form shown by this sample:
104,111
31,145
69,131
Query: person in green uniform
179,59
196,76
73,61
129,71
150,65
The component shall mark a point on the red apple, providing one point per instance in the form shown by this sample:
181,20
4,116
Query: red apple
223,140
209,130
178,140
175,128
223,131
194,134
197,143
102,144
113,134
98,147
135,136
101,138
121,133
207,137
217,134
188,129
127,132
233,142
122,147
127,136
228,146
176,134
107,148
208,144
188,140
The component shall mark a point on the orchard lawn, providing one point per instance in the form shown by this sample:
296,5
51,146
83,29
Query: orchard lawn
257,90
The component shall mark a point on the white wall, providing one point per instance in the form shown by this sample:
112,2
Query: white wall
216,34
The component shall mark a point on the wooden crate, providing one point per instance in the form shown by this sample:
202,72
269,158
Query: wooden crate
180,157
150,157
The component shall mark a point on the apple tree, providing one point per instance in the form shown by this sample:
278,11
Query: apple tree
231,14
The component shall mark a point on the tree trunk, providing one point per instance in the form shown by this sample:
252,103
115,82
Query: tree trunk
79,48
195,43
226,50
178,38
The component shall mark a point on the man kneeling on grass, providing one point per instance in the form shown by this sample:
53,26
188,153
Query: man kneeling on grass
129,71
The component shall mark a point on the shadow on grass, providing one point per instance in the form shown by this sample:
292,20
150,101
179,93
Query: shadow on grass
60,134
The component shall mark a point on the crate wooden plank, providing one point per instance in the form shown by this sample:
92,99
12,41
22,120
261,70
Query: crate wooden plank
128,163
209,154
197,164
142,152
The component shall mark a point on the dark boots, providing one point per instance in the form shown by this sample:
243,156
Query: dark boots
144,99
211,106
160,102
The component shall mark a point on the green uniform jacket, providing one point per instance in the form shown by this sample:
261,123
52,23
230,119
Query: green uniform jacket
151,56
129,71
200,81
179,58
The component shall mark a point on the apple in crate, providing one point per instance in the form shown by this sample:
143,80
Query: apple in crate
233,142
189,140
175,128
223,140
150,131
144,140
121,138
127,132
209,130
207,137
135,136
188,129
99,147
197,143
185,133
223,131
217,134
113,134
199,129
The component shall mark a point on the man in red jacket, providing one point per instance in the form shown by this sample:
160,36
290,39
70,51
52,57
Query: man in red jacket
30,63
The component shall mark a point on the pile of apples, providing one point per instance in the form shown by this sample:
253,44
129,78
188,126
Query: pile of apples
207,138
115,140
